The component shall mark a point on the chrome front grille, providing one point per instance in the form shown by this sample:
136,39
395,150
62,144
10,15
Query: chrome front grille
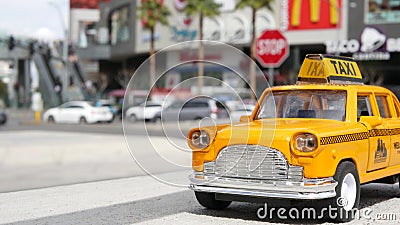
253,162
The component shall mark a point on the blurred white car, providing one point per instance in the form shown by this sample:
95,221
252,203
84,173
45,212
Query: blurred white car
239,110
78,112
144,111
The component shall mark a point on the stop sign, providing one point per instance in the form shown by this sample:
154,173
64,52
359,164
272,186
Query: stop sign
272,48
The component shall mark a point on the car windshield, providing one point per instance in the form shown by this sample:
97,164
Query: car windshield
150,104
322,104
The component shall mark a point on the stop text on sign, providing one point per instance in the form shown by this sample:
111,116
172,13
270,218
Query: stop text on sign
271,46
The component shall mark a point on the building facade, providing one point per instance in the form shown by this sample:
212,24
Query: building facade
119,44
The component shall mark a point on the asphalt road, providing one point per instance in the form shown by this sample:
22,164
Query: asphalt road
24,120
37,155
144,200
36,159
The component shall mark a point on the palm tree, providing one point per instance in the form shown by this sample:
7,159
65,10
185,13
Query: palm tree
255,5
204,8
151,13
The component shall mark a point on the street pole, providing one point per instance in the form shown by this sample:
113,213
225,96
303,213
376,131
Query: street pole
64,79
14,80
271,76
27,83
66,64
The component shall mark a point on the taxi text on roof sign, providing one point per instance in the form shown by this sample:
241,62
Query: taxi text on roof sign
318,68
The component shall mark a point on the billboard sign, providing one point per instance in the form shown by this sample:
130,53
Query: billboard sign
306,15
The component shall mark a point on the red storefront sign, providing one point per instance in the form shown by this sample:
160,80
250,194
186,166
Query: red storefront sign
315,14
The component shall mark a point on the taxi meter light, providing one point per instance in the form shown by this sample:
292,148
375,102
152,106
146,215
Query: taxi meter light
319,68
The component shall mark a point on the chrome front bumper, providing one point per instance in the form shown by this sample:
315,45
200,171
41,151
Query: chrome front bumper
306,189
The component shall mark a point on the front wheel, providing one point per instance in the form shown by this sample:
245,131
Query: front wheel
132,118
347,197
50,119
208,200
82,120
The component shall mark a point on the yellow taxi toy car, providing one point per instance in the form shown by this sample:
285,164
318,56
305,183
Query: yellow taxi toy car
318,139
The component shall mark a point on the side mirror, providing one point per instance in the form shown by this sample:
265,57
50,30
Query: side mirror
373,121
245,119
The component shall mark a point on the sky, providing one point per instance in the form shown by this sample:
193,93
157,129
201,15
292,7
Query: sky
33,18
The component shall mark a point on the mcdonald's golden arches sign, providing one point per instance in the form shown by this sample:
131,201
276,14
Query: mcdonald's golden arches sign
313,14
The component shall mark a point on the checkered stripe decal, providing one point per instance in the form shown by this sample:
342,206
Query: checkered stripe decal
358,136
396,131
344,138
379,132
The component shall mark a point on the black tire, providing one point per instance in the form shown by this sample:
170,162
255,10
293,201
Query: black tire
3,120
50,119
208,200
132,118
82,120
112,120
346,203
398,179
155,119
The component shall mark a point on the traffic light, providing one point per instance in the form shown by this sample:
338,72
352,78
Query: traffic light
11,43
32,48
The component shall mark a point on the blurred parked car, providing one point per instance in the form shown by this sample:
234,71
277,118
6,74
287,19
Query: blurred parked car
194,109
239,110
109,104
144,111
78,112
3,117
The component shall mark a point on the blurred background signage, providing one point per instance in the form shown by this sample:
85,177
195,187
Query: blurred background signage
372,45
383,11
226,5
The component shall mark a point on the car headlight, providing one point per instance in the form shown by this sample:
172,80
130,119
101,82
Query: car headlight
306,142
200,139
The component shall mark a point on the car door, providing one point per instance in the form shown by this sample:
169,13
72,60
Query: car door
63,113
194,110
379,136
139,111
69,114
387,103
171,113
190,111
76,112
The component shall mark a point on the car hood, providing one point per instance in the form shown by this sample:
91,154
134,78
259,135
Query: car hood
266,131
51,109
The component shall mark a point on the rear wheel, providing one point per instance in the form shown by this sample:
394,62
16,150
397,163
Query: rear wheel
82,120
208,200
156,119
112,120
347,192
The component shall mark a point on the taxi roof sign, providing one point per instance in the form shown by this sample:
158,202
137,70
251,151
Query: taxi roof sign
319,68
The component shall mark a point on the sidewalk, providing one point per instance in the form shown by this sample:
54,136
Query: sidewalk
48,202
20,116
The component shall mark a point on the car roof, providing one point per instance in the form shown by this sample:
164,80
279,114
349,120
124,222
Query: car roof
78,103
344,87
